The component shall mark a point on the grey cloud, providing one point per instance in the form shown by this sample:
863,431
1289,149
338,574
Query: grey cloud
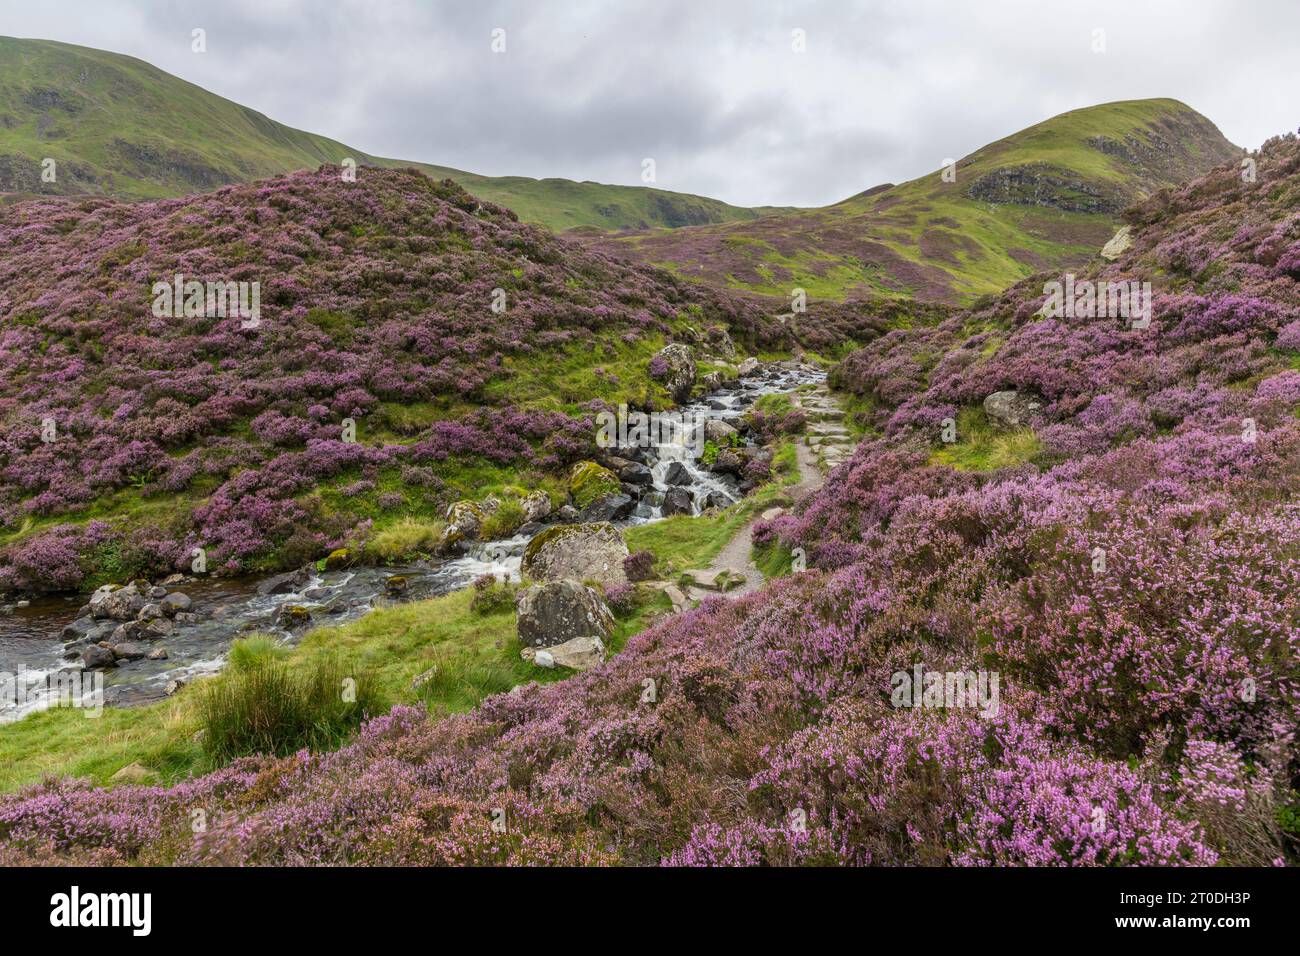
711,90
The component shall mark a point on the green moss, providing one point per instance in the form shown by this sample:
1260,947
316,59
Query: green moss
589,482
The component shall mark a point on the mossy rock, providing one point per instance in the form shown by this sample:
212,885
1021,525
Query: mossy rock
589,482
340,558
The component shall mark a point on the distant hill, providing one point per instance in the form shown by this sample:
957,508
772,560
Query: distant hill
1045,197
119,127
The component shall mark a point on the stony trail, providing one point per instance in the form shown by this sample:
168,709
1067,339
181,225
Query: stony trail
826,443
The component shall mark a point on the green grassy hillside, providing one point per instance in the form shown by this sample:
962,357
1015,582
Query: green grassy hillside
1046,197
116,126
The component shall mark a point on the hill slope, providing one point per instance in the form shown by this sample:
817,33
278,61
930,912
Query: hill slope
117,126
1146,700
377,304
1045,197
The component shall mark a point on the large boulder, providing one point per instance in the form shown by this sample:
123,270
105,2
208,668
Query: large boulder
583,552
680,376
677,501
1010,408
557,612
118,604
175,603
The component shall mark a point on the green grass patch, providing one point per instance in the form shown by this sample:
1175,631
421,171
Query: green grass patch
982,446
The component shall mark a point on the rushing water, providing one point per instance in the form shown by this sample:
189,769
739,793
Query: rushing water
32,645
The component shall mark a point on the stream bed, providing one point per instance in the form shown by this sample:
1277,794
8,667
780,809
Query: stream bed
33,644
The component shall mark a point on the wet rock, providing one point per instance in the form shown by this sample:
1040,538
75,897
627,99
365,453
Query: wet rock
284,583
677,501
530,528
396,586
292,616
158,654
150,612
185,617
583,552
676,474
747,367
680,377
635,473
711,381
129,631
717,499
1010,408
94,657
172,580
80,628
156,629
176,602
608,508
339,558
566,514
129,651
173,686
559,611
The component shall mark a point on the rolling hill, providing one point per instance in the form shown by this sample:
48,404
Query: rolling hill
117,126
1046,197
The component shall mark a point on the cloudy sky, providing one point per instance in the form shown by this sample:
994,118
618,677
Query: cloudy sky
713,90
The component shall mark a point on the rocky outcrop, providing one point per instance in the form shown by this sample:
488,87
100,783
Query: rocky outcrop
1118,244
557,612
679,378
582,552
1038,184
1011,409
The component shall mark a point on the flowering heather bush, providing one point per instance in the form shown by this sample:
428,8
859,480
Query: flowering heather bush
376,295
1136,589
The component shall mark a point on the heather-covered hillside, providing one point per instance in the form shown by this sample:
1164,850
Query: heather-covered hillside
129,439
117,126
1044,197
1125,558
